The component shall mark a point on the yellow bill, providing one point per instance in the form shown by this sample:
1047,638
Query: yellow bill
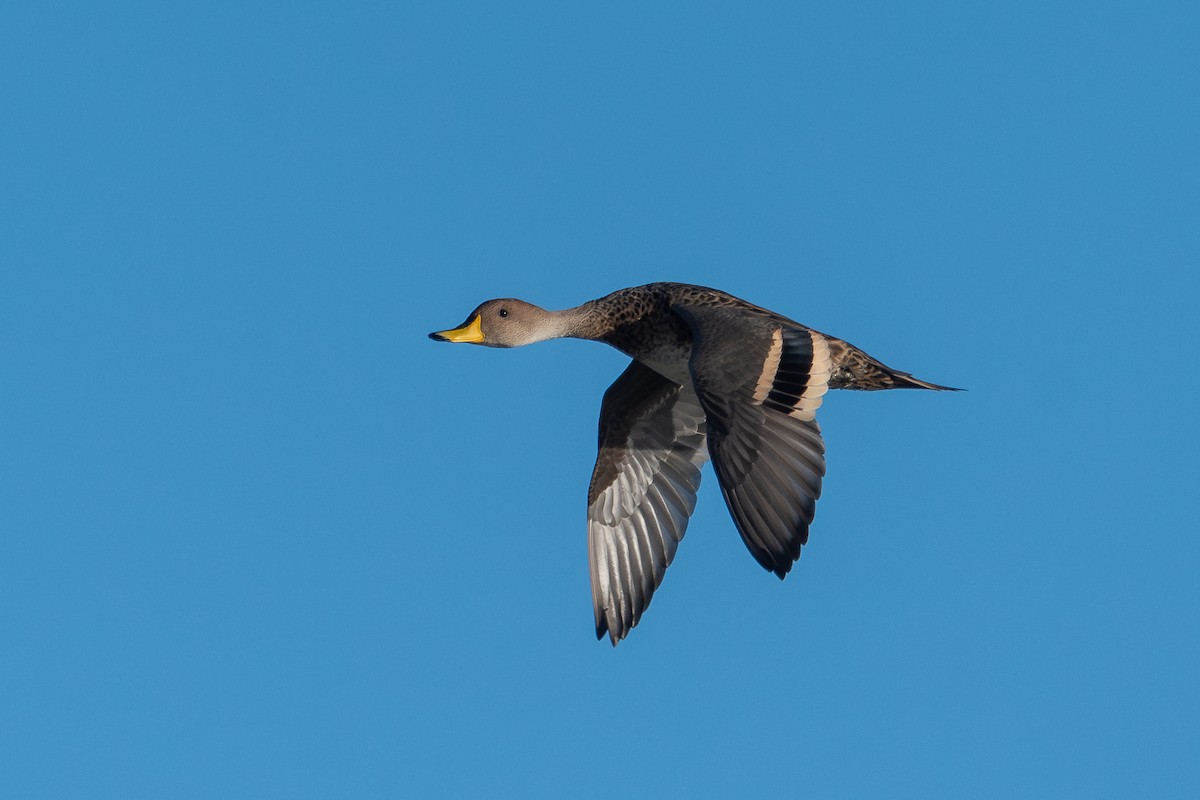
472,332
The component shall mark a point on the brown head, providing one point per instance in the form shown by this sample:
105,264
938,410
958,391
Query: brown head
504,323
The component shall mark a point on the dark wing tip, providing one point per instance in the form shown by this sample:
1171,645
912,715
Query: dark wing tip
777,564
602,628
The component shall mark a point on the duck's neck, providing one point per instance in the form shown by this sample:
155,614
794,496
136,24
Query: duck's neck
581,322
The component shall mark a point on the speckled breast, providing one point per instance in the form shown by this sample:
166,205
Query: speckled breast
659,338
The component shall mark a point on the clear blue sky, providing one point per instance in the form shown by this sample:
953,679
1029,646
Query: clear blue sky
260,538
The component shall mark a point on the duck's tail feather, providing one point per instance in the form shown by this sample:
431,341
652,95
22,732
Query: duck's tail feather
854,369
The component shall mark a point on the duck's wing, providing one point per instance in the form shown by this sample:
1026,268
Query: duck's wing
642,492
760,380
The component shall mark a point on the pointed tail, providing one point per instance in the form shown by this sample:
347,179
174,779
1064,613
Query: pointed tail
854,369
905,381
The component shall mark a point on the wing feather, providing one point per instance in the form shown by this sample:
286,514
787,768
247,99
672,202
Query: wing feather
643,491
760,381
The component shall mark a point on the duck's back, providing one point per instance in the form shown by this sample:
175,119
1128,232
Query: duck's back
646,323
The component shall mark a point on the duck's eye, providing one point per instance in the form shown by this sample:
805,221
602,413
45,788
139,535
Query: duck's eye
504,312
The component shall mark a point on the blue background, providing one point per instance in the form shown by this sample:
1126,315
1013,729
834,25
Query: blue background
261,538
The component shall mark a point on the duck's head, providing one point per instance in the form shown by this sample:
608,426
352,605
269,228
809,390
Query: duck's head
503,323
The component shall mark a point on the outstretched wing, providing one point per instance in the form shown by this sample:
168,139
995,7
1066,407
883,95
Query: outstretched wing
760,399
642,493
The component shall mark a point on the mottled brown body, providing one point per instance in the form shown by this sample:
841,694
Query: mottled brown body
643,322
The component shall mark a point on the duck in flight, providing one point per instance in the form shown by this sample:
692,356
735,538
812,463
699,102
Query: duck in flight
712,377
